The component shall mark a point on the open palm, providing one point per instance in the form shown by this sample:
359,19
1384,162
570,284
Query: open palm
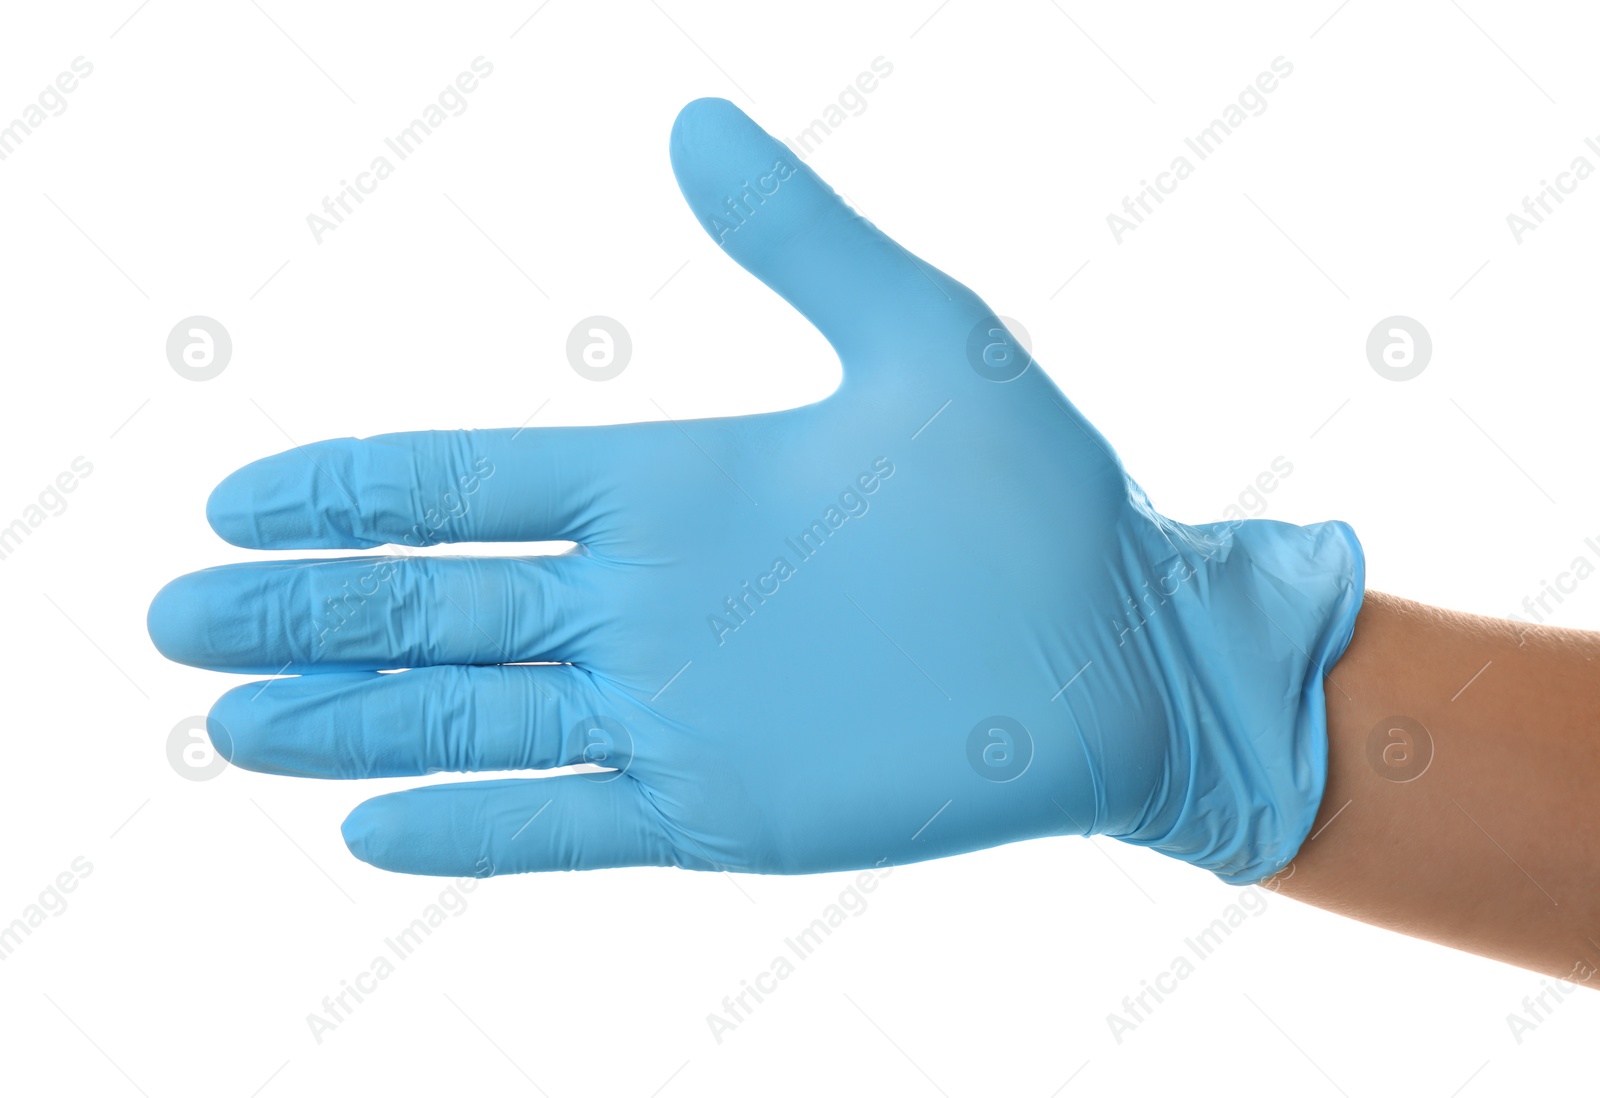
910,620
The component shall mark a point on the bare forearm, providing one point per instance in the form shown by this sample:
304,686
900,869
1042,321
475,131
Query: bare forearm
1461,804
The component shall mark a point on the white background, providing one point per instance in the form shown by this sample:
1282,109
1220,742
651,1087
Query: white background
1223,333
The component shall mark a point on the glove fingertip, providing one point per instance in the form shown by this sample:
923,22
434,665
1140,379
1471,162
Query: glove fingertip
230,515
360,829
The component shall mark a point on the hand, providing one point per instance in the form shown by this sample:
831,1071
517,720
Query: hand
926,615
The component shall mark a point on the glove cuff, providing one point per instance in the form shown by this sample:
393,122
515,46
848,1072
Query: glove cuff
1270,609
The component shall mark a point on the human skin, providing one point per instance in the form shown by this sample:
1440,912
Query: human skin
1494,847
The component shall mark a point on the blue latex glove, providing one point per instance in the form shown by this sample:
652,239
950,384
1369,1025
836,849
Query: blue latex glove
926,615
